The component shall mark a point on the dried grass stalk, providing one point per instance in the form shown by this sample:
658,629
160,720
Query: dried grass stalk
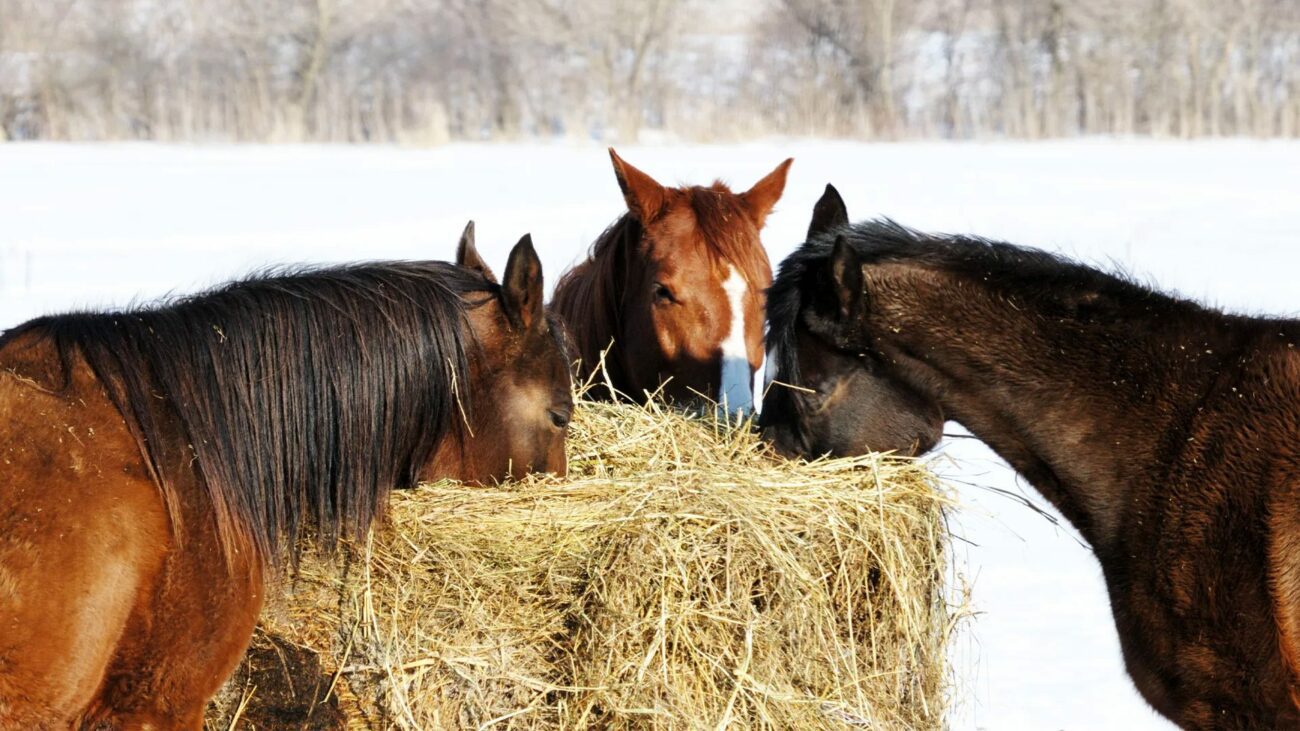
681,578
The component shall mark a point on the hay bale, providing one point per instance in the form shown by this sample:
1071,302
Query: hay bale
680,578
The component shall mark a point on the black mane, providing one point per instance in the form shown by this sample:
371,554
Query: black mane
593,291
303,396
1027,273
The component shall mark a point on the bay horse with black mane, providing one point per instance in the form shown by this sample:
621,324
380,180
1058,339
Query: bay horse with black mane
671,295
1165,431
159,462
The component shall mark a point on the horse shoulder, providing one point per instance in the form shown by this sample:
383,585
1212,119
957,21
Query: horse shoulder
82,530
1281,373
1284,566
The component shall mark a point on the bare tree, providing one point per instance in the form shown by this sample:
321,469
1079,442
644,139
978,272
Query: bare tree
432,70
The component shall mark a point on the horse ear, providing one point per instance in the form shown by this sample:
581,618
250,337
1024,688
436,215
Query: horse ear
766,192
829,213
645,197
467,254
521,290
846,276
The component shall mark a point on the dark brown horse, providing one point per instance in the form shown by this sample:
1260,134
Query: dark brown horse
1165,431
674,290
157,463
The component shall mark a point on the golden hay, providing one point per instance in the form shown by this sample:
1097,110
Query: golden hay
680,578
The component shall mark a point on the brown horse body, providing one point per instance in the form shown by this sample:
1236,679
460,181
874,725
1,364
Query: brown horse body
671,295
101,622
131,569
1166,432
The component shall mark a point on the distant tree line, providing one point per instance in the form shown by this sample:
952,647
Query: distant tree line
428,71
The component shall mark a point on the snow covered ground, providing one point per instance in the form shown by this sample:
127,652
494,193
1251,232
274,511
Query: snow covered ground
1218,221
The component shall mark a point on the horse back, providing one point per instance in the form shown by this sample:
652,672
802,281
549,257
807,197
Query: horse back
56,420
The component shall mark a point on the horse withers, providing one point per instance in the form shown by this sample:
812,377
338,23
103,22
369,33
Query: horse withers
670,298
157,463
1164,431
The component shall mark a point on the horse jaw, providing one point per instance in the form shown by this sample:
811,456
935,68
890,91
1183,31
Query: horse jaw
736,394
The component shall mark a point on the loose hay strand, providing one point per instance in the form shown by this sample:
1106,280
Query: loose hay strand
239,710
681,578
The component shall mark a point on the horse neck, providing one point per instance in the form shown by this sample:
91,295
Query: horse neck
1081,404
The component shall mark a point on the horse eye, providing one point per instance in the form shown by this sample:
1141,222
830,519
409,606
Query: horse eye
663,293
560,419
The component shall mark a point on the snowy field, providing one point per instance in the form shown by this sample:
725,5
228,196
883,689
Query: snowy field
1217,221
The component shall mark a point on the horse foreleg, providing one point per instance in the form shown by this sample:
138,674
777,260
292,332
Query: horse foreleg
187,639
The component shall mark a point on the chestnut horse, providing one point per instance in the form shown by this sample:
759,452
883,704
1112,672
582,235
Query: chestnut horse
158,462
674,290
1165,431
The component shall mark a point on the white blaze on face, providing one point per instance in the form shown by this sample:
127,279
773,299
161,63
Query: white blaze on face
737,392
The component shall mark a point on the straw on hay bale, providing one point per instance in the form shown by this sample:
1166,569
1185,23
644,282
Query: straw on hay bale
680,578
